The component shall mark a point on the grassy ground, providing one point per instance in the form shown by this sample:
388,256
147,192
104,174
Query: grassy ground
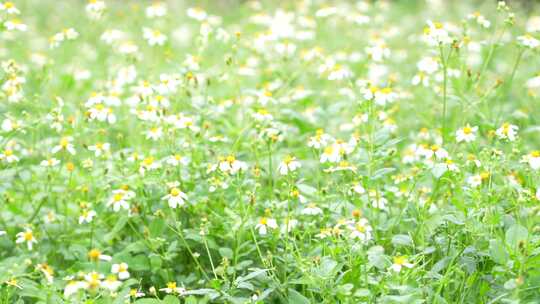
269,152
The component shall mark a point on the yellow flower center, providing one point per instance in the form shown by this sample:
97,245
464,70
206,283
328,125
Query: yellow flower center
343,163
400,260
148,161
118,197
288,159
64,142
175,192
386,90
48,269
94,254
93,282
28,236
328,150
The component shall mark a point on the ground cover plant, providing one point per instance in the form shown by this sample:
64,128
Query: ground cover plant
269,152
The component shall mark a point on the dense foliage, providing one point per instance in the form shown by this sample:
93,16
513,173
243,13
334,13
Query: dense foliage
269,152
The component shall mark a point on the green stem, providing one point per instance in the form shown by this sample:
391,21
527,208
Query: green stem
195,259
210,258
514,69
444,62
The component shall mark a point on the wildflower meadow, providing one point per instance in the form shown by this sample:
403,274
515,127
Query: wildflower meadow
306,151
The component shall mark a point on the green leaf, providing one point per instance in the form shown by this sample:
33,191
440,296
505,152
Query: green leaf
251,275
382,172
211,293
409,299
454,219
306,189
516,234
362,293
148,301
139,263
135,247
121,222
297,298
191,300
155,261
30,289
327,267
226,252
439,170
377,258
402,240
497,252
169,299
345,289
246,285
157,226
